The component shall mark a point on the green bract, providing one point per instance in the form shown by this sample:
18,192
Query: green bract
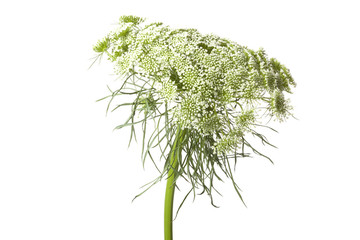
215,90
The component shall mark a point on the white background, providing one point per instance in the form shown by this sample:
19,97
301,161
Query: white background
64,174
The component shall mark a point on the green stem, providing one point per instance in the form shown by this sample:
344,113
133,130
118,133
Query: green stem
169,200
170,186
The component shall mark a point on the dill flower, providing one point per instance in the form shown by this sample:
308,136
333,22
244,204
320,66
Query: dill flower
203,93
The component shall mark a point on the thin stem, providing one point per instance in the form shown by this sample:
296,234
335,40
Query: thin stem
175,154
169,197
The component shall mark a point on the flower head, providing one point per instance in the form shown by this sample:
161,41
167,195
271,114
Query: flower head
211,86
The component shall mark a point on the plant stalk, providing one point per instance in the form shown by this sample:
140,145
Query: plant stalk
169,201
175,154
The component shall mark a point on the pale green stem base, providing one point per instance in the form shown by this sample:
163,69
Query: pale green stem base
169,201
175,154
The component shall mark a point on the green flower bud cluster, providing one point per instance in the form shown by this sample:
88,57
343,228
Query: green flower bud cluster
214,89
209,80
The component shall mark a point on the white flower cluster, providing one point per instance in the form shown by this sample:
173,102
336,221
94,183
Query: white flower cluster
210,80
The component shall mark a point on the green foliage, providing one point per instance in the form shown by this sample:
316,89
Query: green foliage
131,19
102,45
212,88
